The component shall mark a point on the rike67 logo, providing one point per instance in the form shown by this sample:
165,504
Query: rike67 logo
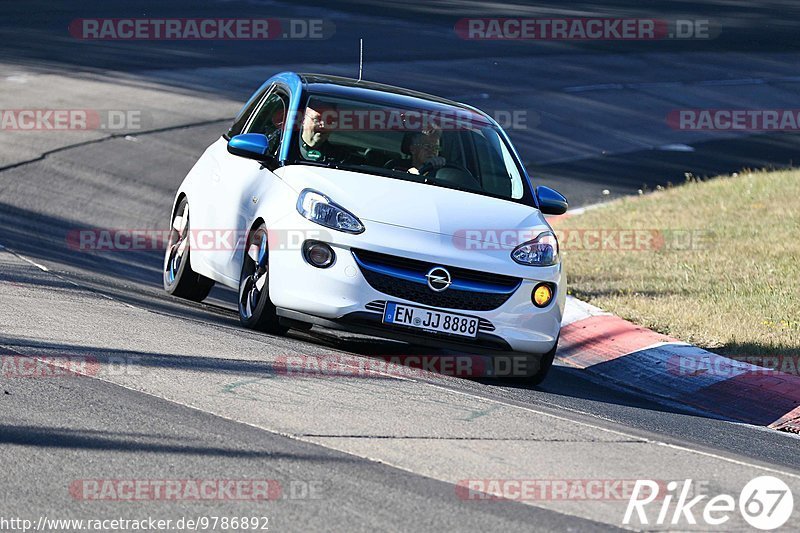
765,503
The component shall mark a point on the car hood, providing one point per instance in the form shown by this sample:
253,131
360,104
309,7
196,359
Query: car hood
419,206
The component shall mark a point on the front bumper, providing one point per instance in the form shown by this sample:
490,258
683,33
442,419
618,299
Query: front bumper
340,296
370,323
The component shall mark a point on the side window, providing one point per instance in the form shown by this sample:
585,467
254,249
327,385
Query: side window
452,148
270,119
497,169
246,111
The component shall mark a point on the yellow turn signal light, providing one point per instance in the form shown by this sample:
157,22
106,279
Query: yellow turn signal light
542,294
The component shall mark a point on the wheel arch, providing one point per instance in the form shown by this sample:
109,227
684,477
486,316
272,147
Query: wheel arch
259,220
255,224
178,199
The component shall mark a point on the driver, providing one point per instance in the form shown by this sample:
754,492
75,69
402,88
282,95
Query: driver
423,146
316,128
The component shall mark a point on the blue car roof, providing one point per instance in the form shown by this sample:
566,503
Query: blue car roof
378,93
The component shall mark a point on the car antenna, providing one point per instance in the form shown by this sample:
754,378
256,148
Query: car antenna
360,58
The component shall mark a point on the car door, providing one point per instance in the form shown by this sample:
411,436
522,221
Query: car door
236,180
205,190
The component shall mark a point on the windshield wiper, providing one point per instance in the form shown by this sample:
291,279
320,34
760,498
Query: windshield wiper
324,164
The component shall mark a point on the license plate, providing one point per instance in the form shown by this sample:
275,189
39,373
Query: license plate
430,320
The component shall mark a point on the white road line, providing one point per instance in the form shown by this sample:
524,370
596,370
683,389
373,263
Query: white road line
453,392
30,261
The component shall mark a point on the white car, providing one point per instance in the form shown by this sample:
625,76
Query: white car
377,210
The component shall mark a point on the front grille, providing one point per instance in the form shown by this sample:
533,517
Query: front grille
379,306
499,280
450,299
377,270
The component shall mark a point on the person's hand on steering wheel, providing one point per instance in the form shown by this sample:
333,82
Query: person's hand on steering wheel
434,163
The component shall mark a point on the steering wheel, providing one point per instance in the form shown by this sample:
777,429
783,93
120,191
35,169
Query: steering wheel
424,169
391,164
427,167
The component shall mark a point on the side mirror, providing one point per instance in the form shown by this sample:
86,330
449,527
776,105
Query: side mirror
551,202
252,146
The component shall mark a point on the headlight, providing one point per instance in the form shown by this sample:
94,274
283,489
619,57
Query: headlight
318,208
541,251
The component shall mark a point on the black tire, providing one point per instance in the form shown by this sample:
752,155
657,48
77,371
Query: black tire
256,310
545,364
179,278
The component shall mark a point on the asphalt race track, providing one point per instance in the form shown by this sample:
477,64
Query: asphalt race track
180,391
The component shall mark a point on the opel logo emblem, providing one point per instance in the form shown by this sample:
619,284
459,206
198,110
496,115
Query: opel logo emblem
438,279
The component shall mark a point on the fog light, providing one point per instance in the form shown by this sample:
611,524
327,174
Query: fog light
318,254
542,294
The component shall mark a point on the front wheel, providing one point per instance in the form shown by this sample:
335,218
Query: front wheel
179,278
545,363
256,310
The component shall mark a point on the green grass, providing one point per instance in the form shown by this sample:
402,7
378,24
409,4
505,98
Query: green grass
736,291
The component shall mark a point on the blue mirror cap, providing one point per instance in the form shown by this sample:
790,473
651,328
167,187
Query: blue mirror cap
252,145
551,202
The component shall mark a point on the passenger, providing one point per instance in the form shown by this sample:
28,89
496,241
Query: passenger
423,147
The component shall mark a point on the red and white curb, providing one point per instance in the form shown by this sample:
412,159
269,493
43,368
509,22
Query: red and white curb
615,350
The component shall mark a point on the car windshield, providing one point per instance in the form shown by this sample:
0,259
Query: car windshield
446,147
